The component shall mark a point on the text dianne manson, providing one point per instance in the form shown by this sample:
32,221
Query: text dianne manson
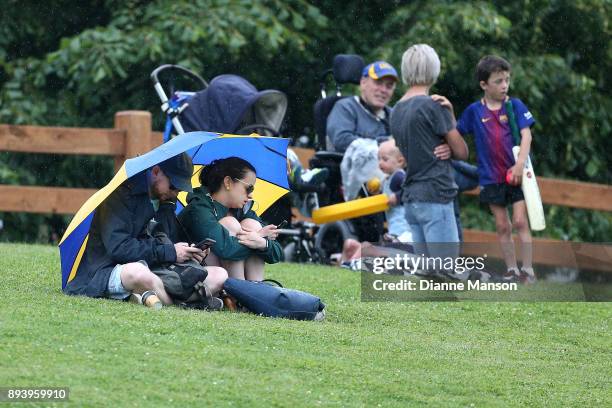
406,285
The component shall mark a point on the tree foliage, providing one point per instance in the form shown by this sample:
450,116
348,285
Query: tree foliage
87,61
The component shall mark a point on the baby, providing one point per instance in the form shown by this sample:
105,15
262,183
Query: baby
392,163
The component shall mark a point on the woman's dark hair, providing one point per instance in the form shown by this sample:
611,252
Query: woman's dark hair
490,64
212,174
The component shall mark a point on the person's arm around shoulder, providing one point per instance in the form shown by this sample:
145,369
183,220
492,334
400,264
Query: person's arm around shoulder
457,144
452,137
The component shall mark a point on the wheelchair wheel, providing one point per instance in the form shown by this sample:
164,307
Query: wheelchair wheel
289,252
330,238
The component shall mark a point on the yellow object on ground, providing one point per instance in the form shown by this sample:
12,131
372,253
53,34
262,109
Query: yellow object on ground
351,209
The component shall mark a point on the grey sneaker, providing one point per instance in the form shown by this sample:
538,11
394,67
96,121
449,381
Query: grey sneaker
135,298
209,302
353,264
320,316
214,304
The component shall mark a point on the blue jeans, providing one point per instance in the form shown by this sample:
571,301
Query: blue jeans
434,228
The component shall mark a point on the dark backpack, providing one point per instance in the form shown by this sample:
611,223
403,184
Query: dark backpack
182,281
269,300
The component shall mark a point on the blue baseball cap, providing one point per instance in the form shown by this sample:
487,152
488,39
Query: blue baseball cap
179,170
379,69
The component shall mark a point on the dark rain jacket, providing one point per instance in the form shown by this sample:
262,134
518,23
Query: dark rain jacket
200,218
118,236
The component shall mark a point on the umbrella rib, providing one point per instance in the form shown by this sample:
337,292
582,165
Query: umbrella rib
270,149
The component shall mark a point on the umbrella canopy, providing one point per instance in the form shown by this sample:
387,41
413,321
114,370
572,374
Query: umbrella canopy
267,154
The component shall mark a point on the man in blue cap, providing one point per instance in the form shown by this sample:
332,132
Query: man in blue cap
120,251
365,116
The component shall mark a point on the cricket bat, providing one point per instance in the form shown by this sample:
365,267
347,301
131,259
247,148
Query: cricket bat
531,191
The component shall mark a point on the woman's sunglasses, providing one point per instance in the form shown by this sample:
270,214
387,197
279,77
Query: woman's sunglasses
249,188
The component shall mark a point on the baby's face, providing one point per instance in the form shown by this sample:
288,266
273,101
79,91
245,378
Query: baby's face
389,159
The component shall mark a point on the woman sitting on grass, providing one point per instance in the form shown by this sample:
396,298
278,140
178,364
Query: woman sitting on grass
215,210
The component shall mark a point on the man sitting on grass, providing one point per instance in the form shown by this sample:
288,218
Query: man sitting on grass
119,251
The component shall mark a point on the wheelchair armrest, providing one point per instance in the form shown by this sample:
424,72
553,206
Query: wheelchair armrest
307,188
327,155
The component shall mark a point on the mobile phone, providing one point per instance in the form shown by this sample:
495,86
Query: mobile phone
205,243
282,225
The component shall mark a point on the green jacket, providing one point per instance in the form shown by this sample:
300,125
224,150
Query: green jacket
200,218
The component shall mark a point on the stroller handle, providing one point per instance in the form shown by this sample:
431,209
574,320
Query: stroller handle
184,70
159,89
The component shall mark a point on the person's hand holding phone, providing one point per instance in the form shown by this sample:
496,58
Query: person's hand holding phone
185,253
270,231
205,246
206,243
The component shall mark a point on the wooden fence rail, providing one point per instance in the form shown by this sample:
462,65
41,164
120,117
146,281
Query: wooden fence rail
132,135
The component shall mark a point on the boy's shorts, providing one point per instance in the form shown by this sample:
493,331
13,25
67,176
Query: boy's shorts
500,194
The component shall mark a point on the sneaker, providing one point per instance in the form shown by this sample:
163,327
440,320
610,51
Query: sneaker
214,304
353,264
320,316
135,298
511,275
314,176
150,299
209,302
527,275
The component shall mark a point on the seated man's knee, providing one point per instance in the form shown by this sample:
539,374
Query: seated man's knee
250,224
231,224
137,275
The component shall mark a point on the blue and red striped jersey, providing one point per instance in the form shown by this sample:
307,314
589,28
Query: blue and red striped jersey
493,137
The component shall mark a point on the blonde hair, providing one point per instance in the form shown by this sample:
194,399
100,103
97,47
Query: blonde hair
420,65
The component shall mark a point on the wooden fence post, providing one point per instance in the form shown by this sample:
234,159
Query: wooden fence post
137,126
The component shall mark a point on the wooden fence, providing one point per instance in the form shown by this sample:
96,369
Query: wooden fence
132,135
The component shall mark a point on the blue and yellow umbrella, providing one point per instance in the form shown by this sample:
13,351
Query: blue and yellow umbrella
267,154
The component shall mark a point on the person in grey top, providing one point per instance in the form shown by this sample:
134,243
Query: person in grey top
366,116
420,123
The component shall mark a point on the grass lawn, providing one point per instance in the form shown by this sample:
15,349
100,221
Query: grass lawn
467,354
